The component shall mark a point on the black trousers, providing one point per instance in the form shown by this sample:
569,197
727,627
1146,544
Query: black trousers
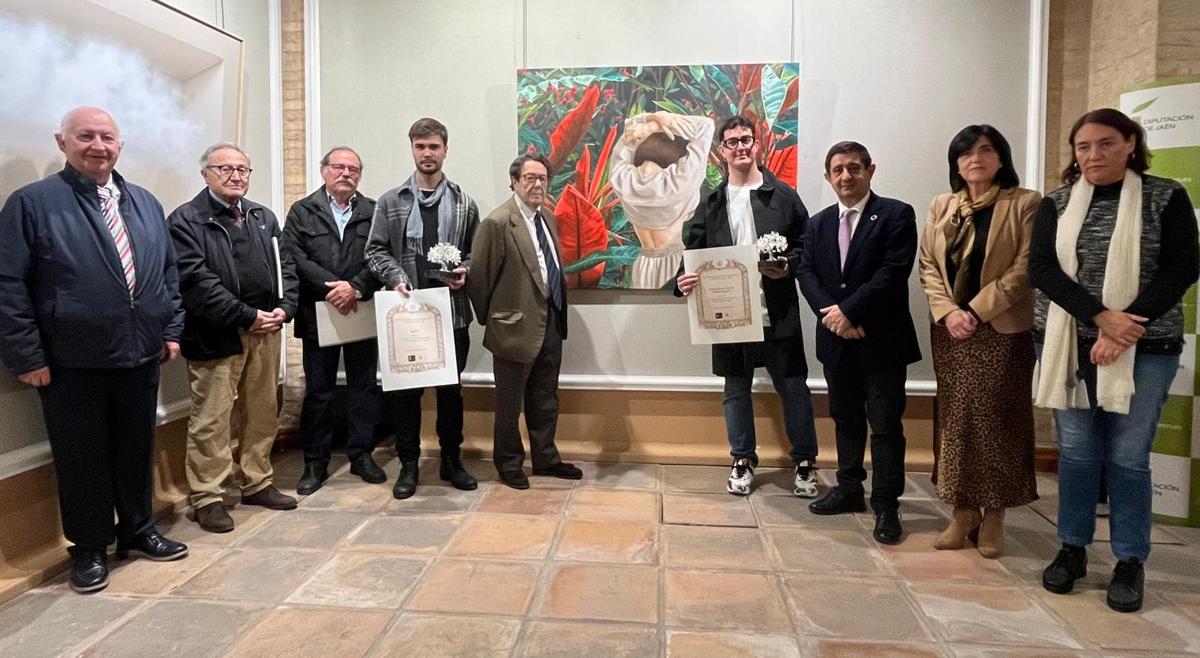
101,425
406,408
860,392
532,387
362,397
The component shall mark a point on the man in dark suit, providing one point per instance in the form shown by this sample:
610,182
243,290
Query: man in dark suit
89,307
325,235
519,294
854,274
749,204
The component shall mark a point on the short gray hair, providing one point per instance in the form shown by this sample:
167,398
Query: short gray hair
220,146
330,152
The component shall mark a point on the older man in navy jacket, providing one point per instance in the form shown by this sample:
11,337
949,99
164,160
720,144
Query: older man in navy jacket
89,307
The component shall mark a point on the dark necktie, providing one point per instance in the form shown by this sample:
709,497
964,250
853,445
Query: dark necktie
555,282
235,211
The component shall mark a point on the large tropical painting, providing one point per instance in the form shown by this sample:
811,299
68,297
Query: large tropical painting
632,151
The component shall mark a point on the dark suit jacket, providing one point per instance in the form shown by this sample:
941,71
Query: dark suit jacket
310,235
872,291
506,287
776,208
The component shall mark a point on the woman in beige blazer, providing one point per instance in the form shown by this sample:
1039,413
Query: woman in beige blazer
974,264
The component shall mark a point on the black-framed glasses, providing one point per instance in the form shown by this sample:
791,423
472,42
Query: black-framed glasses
533,178
229,170
734,142
345,168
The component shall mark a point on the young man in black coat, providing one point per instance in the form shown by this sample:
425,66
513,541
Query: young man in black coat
750,203
854,274
326,235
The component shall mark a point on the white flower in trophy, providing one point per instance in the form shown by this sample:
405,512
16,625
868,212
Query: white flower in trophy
772,245
444,254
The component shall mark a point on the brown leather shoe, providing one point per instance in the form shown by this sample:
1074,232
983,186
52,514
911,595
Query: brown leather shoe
270,498
214,518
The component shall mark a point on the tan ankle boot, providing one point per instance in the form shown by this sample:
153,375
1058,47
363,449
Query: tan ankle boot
962,523
991,533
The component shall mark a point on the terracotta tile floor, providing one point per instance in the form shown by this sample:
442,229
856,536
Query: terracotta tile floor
634,560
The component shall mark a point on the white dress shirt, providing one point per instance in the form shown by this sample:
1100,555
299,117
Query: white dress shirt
858,207
741,214
529,215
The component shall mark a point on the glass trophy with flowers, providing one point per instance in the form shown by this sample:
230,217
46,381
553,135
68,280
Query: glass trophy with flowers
447,257
771,247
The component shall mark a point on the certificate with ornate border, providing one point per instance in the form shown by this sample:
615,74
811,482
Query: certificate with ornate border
726,306
416,340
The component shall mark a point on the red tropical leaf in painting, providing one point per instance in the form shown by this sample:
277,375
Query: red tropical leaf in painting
581,231
573,127
782,163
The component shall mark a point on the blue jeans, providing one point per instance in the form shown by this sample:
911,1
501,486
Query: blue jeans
1095,442
797,412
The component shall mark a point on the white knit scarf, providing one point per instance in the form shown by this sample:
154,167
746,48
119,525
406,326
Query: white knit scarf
1058,385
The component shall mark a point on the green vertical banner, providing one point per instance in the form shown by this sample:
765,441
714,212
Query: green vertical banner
1167,109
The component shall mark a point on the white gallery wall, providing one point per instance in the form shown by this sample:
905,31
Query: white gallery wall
172,79
901,78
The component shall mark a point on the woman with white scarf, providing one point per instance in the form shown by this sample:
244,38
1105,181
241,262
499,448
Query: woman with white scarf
1112,254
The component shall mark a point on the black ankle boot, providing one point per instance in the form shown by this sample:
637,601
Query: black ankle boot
406,483
1126,588
452,471
315,474
1068,566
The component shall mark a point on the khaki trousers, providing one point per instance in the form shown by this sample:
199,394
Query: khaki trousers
233,404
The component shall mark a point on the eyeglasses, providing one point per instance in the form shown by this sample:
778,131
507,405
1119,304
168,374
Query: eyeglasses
734,142
342,168
228,170
533,178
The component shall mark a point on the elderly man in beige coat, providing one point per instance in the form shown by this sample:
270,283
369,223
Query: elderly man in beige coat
518,291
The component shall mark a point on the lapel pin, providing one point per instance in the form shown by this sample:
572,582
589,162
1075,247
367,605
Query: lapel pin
874,217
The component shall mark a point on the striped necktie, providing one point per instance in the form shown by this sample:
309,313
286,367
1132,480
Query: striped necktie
116,227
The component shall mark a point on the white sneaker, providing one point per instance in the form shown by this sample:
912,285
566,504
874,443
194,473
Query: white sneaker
805,483
741,476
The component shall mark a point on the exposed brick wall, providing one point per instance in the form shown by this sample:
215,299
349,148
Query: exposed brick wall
295,180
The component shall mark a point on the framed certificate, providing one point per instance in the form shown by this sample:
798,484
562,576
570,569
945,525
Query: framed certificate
416,339
726,306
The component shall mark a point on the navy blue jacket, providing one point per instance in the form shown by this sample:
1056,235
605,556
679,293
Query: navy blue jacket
63,297
208,278
872,291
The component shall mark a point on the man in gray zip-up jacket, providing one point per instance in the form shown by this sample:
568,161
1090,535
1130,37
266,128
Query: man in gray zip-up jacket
238,290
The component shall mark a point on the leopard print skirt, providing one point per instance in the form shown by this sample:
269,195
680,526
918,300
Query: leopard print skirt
983,419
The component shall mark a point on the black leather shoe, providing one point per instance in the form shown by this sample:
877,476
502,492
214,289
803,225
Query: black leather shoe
839,501
315,474
214,518
452,471
89,568
516,480
1127,586
365,467
887,527
270,498
560,470
1068,566
406,483
153,546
